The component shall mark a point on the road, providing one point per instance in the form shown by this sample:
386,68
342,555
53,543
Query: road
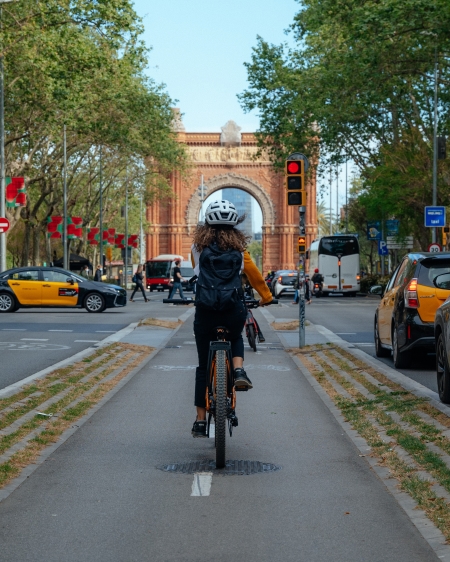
103,496
36,338
352,319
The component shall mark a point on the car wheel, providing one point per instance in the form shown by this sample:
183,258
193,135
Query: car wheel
7,303
379,350
442,371
402,359
94,302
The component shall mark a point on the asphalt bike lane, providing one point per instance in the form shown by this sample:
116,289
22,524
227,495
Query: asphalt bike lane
102,495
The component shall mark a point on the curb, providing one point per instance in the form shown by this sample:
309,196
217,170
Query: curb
429,532
395,376
12,388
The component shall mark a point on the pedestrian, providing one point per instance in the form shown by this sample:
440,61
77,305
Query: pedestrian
85,271
177,278
138,279
307,289
98,273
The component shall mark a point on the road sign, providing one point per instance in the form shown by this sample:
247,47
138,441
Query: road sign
374,230
434,216
392,227
4,225
394,244
434,248
383,250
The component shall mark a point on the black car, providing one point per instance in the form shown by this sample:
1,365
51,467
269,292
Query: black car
27,287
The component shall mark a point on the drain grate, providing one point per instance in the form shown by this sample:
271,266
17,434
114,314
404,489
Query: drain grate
240,468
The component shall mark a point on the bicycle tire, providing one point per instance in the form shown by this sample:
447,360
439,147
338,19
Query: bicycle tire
221,407
252,337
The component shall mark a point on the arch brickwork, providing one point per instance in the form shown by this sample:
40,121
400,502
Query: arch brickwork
231,161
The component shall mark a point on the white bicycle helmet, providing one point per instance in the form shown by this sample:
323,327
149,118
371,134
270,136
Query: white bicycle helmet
221,212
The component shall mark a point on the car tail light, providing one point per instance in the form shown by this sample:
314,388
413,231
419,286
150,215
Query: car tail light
411,296
358,277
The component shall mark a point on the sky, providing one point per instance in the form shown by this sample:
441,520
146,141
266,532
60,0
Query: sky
198,51
199,48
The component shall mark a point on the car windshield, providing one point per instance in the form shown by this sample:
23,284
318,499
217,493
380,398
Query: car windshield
431,269
338,246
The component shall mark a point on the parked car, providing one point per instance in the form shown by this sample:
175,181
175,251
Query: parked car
283,282
404,320
442,338
55,287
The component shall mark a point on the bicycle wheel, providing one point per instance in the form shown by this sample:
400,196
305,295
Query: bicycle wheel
221,407
252,337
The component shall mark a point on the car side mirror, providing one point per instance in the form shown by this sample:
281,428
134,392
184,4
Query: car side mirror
442,281
376,290
70,280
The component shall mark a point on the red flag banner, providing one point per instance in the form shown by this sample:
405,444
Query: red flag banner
120,241
54,227
111,236
74,230
93,236
133,241
16,195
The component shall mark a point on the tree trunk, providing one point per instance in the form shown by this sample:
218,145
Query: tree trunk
36,248
26,244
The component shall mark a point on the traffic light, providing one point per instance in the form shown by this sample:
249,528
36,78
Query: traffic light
301,244
295,182
445,235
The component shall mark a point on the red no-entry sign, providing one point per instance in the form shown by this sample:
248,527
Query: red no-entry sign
4,225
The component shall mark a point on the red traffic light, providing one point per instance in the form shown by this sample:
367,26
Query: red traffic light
293,167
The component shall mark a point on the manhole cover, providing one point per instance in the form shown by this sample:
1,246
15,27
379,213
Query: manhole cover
231,467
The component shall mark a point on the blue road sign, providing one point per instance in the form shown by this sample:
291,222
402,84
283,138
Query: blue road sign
434,216
392,227
374,230
382,248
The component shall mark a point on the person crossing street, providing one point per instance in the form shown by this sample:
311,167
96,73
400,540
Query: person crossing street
138,279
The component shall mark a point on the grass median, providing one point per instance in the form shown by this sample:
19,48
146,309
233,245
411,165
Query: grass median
40,413
406,433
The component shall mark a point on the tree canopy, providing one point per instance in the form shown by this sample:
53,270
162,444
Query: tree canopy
82,64
359,84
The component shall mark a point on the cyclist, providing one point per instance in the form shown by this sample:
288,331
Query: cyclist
219,256
317,277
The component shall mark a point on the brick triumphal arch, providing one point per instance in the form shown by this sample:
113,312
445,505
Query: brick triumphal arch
229,159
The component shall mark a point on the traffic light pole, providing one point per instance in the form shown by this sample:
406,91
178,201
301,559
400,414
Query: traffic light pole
301,289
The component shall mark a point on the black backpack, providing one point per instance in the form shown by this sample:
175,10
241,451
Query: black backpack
219,285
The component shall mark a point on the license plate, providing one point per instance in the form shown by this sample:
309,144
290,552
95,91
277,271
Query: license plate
159,286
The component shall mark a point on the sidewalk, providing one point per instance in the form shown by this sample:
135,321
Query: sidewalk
112,493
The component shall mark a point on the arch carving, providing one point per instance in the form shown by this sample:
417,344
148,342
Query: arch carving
233,180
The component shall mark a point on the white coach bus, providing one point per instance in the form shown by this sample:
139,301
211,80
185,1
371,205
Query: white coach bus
337,259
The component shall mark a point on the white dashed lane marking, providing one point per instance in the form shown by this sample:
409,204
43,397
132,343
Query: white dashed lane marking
201,486
33,339
60,330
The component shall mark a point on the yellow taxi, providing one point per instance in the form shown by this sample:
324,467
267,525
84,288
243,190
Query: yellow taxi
55,287
404,320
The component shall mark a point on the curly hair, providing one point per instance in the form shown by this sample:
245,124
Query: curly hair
225,237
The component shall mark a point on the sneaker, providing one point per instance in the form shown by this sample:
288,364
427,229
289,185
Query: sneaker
200,428
241,379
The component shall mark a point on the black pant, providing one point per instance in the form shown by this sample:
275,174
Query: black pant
140,286
205,323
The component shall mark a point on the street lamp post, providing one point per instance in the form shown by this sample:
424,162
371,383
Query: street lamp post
435,147
2,153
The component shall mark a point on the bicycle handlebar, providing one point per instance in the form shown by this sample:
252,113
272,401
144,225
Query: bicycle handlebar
178,301
252,303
